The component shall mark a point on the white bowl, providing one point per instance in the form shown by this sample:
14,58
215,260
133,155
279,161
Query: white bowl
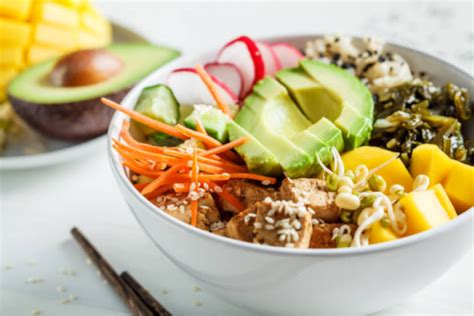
282,281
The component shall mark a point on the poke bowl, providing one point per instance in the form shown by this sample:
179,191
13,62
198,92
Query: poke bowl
295,279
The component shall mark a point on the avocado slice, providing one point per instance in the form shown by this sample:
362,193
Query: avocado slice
75,113
213,120
317,140
331,97
257,158
271,117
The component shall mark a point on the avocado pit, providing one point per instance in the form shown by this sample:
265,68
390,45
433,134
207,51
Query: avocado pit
85,67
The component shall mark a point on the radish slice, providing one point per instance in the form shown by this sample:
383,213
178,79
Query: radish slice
272,64
244,53
189,89
228,74
288,55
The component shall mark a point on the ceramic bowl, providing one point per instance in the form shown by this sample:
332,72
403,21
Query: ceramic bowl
280,281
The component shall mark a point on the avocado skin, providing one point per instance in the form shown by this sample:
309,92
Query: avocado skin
75,121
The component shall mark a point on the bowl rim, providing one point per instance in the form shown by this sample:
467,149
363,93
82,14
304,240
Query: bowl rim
119,172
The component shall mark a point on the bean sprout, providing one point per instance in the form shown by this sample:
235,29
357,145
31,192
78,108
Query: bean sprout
339,165
421,183
358,241
326,169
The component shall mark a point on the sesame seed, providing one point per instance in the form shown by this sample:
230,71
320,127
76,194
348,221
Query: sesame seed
269,227
218,189
257,225
270,220
266,182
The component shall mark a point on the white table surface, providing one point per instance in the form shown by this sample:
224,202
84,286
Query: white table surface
38,207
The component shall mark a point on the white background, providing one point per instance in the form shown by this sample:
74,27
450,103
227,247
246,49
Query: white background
38,207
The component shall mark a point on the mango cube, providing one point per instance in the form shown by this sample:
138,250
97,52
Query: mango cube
56,14
379,234
393,173
38,53
14,32
430,160
459,185
15,9
12,56
54,36
424,210
6,73
88,39
94,22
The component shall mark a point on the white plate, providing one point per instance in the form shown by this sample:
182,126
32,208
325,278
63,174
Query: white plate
32,150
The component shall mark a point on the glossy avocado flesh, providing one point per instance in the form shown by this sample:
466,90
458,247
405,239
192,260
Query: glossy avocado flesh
75,113
272,118
327,91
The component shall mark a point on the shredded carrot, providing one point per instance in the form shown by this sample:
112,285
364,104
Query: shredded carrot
194,212
253,176
161,190
125,134
154,124
199,127
135,152
228,166
139,170
211,86
225,147
155,184
227,196
208,140
194,178
140,186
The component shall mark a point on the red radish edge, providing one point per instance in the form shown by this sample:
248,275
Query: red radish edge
217,81
289,46
259,66
275,58
215,63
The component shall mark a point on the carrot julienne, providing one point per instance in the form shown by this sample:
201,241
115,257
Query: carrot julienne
211,86
199,127
154,124
228,197
252,176
225,147
155,184
194,176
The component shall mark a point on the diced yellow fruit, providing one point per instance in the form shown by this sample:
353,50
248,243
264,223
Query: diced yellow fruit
393,173
430,160
14,32
424,211
444,200
459,185
38,53
91,40
75,3
94,22
12,56
56,14
380,234
6,74
54,36
15,9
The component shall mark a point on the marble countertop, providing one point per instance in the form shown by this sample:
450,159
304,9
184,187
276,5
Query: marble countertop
42,268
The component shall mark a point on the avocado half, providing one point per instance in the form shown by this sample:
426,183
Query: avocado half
76,113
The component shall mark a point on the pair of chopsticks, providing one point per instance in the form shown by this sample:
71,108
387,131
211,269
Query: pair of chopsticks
139,301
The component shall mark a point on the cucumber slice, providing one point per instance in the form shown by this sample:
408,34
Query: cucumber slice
158,102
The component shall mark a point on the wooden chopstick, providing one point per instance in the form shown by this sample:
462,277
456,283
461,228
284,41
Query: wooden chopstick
128,295
147,298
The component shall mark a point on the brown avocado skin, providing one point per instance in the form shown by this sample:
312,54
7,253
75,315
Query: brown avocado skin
73,121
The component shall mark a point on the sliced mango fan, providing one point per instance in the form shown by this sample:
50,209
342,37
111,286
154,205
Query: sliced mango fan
183,170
